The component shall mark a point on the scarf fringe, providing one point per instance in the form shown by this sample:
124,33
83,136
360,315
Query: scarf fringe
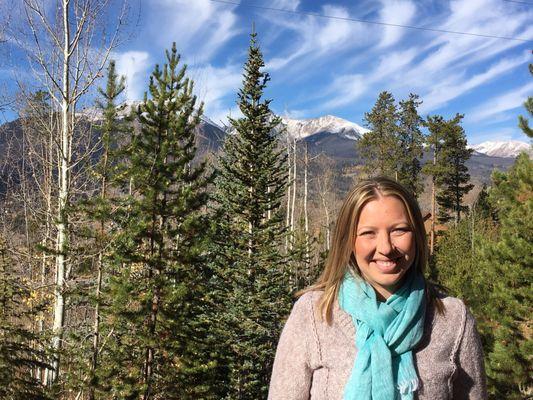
408,386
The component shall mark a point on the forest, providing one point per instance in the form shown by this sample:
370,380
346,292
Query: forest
132,267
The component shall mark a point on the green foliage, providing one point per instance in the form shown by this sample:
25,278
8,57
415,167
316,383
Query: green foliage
155,294
411,142
394,145
488,264
523,122
20,356
379,147
510,257
250,290
447,141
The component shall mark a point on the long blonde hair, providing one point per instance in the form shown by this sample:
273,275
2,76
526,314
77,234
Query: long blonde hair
341,257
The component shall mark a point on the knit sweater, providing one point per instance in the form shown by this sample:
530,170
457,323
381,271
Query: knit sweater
314,360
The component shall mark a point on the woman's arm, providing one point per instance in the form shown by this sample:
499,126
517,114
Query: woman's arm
470,382
291,374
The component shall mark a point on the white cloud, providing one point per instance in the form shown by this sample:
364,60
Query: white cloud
319,38
346,89
284,4
134,66
200,27
495,107
217,88
458,85
500,134
399,12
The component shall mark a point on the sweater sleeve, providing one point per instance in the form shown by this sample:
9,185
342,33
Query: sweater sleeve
470,381
291,373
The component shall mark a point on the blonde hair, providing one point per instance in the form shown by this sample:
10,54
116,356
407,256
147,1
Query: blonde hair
341,257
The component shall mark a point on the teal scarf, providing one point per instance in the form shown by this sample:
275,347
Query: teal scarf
386,334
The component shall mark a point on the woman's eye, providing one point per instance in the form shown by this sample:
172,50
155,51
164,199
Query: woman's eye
366,233
401,230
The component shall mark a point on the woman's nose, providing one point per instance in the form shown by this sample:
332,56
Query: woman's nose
384,244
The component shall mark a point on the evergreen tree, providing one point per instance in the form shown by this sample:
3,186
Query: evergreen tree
251,287
434,168
509,259
97,209
482,206
18,355
379,147
454,176
155,312
411,142
523,122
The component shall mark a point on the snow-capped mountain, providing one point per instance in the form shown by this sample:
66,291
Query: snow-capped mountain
303,128
509,149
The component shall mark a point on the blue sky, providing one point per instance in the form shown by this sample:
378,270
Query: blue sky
333,66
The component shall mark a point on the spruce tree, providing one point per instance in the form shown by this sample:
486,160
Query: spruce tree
454,177
523,122
379,148
156,293
411,142
434,168
509,258
19,354
97,210
251,289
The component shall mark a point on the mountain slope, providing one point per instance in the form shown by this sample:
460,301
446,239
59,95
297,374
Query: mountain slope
509,148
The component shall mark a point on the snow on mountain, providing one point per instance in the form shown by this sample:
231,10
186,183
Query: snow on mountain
302,128
95,114
509,148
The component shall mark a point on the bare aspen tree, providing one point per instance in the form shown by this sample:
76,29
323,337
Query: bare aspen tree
306,214
293,200
69,63
39,124
289,188
326,193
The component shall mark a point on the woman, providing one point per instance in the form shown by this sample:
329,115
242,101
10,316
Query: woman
372,328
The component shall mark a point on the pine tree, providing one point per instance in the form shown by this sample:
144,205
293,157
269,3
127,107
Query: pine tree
454,176
19,357
434,168
411,144
97,209
523,122
378,148
154,318
251,287
509,258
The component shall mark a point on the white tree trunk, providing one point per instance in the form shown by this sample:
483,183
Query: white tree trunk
63,199
306,215
293,201
289,186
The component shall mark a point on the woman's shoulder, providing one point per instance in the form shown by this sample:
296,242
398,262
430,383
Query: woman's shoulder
308,301
454,317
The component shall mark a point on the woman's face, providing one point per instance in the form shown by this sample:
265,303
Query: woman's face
384,244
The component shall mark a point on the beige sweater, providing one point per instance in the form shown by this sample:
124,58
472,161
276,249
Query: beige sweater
314,360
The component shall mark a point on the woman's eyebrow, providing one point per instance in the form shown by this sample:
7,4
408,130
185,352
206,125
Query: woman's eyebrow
365,227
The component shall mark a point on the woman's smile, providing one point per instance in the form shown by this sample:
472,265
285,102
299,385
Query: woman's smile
384,245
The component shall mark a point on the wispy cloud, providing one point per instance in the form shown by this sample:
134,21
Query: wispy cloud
345,89
134,66
492,135
318,38
200,27
458,84
399,12
495,107
217,88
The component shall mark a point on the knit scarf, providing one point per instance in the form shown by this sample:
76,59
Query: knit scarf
386,334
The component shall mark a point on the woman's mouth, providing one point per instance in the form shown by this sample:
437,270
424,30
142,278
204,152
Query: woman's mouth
387,265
